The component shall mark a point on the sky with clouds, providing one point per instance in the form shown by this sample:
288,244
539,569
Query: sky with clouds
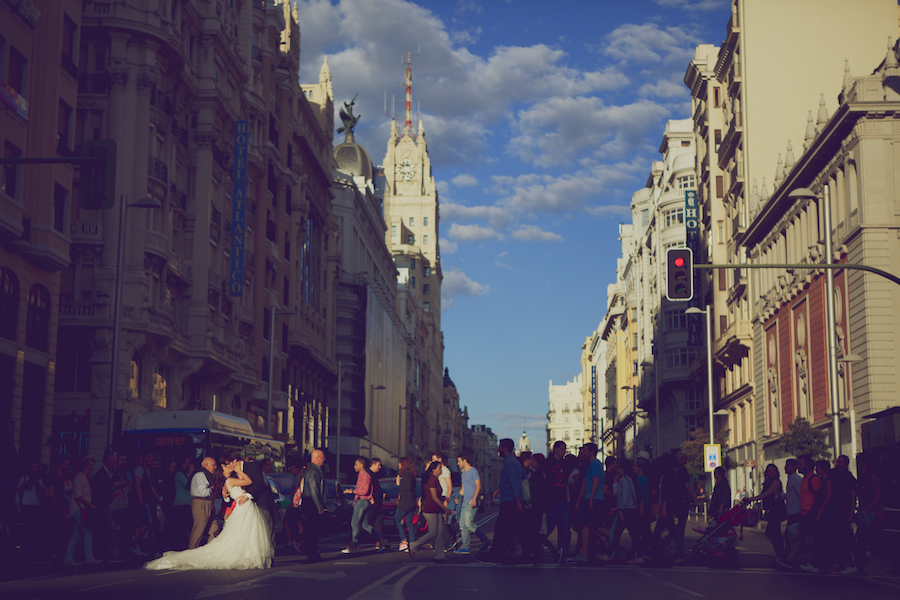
541,120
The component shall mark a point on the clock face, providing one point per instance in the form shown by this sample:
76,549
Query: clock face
405,170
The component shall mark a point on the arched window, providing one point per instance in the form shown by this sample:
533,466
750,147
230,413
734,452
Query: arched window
37,328
9,303
134,382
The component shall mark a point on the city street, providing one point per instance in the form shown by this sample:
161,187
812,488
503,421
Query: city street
391,575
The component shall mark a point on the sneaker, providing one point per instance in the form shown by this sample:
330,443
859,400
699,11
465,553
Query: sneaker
485,548
462,551
578,559
93,561
487,561
296,545
809,568
784,564
350,550
72,563
851,570
137,551
404,546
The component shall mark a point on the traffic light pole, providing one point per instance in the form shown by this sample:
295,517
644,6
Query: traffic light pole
853,267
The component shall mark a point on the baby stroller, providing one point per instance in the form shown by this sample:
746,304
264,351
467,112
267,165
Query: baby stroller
719,541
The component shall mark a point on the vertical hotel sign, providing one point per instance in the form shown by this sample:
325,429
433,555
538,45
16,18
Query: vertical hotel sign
692,231
239,209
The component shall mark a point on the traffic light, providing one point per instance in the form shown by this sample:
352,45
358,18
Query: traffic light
97,182
679,274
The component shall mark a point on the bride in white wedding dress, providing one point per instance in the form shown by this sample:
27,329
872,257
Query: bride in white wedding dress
244,543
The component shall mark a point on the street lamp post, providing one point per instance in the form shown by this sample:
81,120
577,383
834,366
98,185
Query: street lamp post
337,454
372,388
117,309
825,204
272,362
652,365
709,362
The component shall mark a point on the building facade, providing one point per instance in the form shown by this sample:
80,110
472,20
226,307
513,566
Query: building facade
39,56
168,86
848,163
565,416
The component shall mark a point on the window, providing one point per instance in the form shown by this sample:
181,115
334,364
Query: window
720,186
717,97
410,239
634,371
673,217
160,377
686,182
73,371
690,426
9,303
425,221
63,128
692,398
134,384
412,221
38,320
685,144
634,341
426,272
17,74
425,239
67,52
426,289
287,246
393,231
286,295
412,263
267,323
9,185
412,282
427,307
680,357
60,195
675,320
717,137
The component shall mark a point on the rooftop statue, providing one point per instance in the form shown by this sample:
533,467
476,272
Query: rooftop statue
349,119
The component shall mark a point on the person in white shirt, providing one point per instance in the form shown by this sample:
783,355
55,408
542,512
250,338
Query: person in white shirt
202,507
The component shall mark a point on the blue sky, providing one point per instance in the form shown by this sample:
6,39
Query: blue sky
541,120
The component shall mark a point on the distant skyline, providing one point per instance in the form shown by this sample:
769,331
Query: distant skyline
542,120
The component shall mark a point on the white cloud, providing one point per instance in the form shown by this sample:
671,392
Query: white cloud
665,88
496,216
457,284
694,4
449,246
533,233
473,233
464,180
649,43
558,130
443,187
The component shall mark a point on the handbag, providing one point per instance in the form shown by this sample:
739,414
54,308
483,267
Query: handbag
298,495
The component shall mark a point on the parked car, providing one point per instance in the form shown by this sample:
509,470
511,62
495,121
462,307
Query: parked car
339,507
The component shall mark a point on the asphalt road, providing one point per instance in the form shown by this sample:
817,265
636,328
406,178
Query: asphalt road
393,576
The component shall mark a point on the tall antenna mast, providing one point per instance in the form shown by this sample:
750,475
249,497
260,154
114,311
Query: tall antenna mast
407,127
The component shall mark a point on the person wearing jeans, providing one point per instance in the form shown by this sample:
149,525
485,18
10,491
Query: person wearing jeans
78,506
471,491
432,509
362,500
406,502
509,495
558,506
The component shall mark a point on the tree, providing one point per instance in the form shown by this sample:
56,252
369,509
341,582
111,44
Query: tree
802,438
693,448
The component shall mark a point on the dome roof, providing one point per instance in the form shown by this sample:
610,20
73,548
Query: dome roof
352,158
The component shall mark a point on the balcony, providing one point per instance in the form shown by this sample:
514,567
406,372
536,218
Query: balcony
179,268
161,101
86,232
259,5
731,140
158,244
76,313
158,170
93,83
220,156
179,133
245,313
734,344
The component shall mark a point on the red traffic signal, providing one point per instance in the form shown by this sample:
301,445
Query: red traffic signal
679,274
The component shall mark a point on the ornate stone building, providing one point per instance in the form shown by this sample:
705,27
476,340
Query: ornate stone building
168,82
39,56
852,157
411,212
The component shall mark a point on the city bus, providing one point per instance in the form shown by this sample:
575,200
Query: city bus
195,434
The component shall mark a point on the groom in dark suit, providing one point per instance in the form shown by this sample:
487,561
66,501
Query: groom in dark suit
259,489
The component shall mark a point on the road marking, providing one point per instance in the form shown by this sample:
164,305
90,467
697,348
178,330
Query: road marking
374,585
40,577
165,573
486,519
878,580
97,587
350,562
681,589
398,587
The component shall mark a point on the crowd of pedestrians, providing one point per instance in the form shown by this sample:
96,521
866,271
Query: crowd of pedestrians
819,517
